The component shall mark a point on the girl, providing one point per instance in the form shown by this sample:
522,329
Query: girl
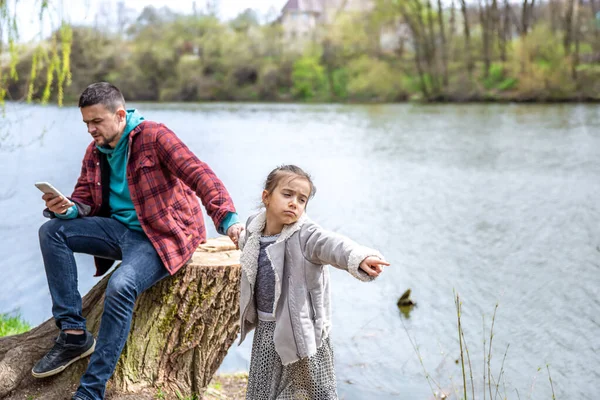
285,291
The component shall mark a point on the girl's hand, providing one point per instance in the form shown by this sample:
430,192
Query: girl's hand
373,265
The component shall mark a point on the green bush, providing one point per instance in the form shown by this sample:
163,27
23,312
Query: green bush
498,80
340,83
507,84
308,77
371,79
12,325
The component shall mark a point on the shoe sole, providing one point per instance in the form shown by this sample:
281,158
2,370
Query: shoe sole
63,367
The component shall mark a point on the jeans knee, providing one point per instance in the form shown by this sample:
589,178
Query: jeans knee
49,228
120,288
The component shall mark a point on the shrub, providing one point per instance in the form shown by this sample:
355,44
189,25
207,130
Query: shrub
308,77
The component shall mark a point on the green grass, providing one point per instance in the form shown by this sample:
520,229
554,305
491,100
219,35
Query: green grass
160,395
12,325
182,397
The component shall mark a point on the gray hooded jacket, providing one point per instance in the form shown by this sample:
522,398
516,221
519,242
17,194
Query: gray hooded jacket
302,297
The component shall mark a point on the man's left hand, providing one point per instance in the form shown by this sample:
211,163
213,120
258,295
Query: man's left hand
234,233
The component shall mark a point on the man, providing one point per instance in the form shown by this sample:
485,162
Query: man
134,201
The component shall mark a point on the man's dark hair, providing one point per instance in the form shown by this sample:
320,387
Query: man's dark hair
102,93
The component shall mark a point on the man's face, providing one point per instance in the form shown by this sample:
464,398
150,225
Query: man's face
105,126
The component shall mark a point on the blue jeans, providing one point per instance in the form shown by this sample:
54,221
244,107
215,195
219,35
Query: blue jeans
141,267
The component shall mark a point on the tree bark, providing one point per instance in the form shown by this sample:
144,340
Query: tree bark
181,330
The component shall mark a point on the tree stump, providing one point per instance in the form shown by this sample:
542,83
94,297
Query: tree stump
180,333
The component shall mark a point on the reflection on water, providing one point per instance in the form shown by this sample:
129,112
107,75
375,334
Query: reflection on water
498,202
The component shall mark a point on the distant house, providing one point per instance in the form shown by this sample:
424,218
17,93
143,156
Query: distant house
300,20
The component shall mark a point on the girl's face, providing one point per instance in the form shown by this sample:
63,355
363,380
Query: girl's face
286,203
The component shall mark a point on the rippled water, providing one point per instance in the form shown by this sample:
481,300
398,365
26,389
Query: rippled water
498,202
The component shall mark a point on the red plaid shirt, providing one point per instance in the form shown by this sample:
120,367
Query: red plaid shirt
161,173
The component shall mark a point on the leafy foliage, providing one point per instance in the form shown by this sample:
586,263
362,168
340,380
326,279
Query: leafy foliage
51,58
164,56
309,78
12,325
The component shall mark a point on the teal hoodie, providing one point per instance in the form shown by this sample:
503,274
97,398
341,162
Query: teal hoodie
121,206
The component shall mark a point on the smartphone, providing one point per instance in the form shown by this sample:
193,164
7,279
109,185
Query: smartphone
48,188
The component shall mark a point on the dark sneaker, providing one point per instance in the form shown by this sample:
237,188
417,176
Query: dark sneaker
62,355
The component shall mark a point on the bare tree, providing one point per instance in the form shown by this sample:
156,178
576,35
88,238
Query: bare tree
413,17
577,37
443,42
504,30
463,7
526,16
484,20
568,38
432,53
595,11
554,7
452,23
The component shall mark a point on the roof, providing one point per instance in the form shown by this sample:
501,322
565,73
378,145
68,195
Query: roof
303,6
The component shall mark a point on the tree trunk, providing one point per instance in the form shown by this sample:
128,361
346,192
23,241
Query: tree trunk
467,32
484,21
596,27
432,56
504,31
577,37
526,17
452,30
413,19
568,38
443,44
554,6
181,330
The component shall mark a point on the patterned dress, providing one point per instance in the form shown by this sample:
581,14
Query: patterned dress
310,378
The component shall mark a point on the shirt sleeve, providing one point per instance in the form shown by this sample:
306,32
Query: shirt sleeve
232,218
70,214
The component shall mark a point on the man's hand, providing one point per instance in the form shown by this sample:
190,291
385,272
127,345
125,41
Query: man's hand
373,266
234,233
57,204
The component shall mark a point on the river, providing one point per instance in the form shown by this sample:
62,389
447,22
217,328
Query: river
500,203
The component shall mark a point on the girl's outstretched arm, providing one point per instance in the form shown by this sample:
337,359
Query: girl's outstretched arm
323,247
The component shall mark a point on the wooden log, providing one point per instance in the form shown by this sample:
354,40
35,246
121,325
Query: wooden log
181,330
